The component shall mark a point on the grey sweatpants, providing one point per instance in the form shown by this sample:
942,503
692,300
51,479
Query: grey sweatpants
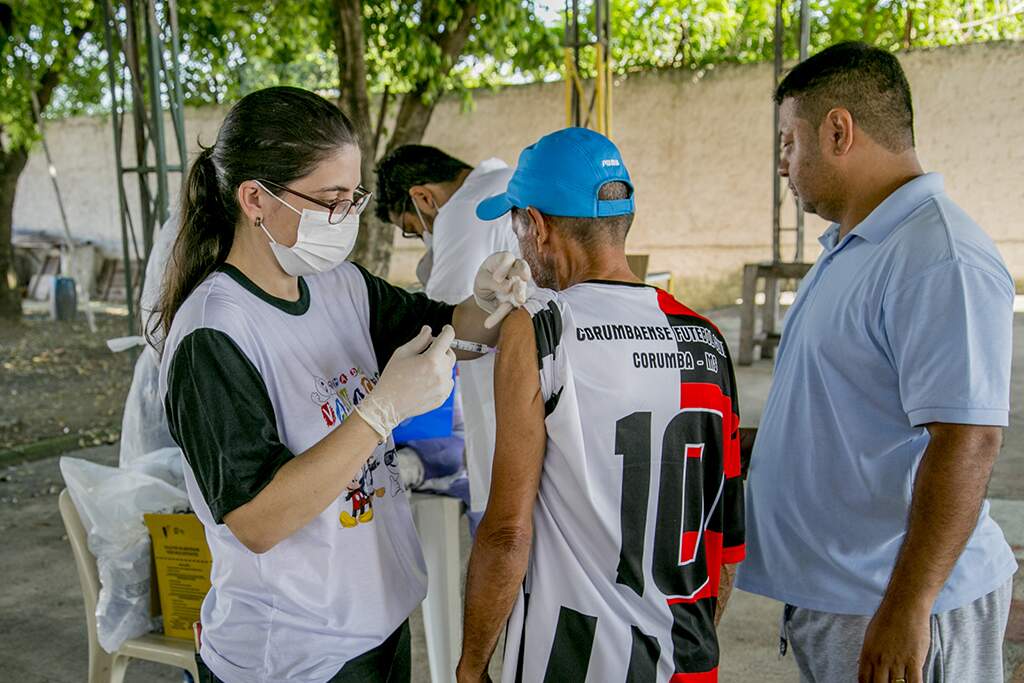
967,643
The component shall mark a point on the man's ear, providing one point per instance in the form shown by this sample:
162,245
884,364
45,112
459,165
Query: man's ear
837,132
424,199
541,227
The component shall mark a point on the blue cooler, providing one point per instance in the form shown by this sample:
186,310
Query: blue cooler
433,425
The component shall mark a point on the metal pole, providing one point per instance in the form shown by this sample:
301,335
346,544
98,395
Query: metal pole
143,127
158,138
805,39
607,30
108,16
805,28
570,82
178,112
603,15
776,147
171,168
599,69
577,117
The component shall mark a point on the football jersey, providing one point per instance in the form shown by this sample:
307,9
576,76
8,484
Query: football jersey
640,499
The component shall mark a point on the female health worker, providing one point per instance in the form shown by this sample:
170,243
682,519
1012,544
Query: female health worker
283,371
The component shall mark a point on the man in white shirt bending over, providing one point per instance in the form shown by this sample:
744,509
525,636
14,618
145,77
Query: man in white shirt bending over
428,194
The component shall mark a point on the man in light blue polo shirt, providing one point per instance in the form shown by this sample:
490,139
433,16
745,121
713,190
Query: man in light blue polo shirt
866,510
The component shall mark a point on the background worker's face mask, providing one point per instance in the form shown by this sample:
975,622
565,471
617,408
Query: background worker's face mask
428,233
319,246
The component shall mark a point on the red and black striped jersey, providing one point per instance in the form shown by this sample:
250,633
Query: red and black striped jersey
640,499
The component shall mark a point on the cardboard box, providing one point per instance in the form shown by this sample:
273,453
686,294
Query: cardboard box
183,565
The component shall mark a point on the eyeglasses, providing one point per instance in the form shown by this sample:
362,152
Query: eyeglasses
401,226
339,209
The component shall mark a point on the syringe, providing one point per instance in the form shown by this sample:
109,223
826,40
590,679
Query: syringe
471,347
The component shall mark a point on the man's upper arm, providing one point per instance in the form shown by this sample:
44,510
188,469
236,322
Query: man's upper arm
521,434
950,331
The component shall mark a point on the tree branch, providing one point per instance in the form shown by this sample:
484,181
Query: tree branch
1012,12
349,40
44,91
429,20
6,18
452,42
50,79
413,113
385,99
373,248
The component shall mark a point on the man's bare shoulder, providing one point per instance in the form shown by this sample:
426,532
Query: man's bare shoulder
517,346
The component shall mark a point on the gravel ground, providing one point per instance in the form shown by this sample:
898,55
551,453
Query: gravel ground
57,377
60,382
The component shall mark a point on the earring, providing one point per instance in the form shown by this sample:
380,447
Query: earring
259,221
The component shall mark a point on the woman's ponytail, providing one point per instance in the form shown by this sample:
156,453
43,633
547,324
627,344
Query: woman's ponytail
202,245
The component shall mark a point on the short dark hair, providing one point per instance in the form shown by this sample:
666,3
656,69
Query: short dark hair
411,165
866,81
593,232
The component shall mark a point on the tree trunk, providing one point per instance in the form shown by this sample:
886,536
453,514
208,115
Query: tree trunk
908,27
373,248
867,26
413,118
12,163
376,238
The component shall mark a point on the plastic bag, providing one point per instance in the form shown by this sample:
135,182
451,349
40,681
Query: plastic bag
166,464
111,503
144,425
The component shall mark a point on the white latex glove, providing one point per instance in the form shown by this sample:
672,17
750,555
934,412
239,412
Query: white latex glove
417,379
503,283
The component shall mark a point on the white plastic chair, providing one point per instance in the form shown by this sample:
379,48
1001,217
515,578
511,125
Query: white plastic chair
104,667
437,520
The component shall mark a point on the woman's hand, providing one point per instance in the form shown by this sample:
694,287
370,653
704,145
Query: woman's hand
418,378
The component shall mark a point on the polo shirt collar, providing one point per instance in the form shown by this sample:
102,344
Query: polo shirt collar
891,212
827,240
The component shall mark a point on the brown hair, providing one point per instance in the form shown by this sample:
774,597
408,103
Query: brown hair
277,134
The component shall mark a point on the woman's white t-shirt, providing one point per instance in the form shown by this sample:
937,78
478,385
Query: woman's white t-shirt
249,381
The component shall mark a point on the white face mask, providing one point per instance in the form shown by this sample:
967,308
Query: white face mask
320,246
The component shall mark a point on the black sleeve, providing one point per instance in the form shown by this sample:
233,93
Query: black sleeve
396,316
220,414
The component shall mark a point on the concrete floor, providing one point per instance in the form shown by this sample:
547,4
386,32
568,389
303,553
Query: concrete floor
42,620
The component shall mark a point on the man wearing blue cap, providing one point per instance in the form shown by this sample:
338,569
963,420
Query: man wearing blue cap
616,501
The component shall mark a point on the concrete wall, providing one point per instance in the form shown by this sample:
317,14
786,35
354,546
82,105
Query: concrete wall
699,151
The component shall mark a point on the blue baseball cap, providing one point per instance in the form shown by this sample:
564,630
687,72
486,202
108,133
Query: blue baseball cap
561,175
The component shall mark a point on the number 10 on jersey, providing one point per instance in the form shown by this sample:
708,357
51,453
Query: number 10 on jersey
687,525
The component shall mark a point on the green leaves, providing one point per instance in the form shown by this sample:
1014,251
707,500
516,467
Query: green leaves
46,51
230,47
696,34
